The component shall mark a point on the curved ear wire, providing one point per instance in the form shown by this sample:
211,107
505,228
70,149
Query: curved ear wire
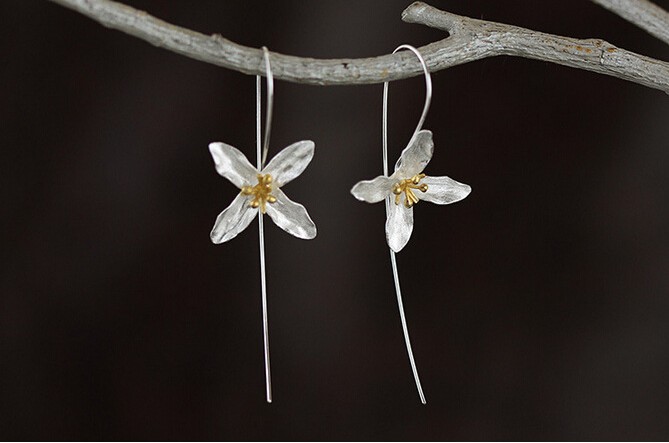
393,260
408,180
261,159
426,106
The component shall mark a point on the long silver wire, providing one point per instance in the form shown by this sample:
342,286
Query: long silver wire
261,155
393,260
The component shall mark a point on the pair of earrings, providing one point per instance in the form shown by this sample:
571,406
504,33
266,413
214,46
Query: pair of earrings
260,193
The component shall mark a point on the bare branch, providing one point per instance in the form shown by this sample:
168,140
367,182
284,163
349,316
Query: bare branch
482,39
642,13
469,40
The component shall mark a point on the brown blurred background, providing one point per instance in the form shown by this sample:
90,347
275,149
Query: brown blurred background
538,307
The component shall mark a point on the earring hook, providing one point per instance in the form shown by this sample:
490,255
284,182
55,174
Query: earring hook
393,260
426,107
262,155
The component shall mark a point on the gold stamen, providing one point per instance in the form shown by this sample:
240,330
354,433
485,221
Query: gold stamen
261,192
407,186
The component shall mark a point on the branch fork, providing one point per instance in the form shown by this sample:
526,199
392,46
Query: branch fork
469,40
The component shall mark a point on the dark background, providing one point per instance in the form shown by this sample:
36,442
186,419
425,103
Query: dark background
538,306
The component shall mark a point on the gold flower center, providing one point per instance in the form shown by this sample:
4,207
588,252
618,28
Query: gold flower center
407,186
262,192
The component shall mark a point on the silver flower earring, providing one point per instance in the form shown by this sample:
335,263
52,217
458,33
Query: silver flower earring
260,193
406,187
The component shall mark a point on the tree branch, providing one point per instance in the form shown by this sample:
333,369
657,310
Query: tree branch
481,39
642,13
469,40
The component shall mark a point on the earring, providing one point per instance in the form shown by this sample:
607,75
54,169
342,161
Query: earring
260,193
405,188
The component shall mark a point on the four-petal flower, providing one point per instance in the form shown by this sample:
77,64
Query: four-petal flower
407,186
260,191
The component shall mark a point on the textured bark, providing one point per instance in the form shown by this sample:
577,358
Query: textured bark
644,14
469,40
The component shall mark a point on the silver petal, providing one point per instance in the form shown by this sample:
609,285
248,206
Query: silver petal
373,191
233,220
290,216
443,190
399,225
232,164
290,162
416,155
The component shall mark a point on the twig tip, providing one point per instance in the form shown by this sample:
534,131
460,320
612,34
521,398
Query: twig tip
413,9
